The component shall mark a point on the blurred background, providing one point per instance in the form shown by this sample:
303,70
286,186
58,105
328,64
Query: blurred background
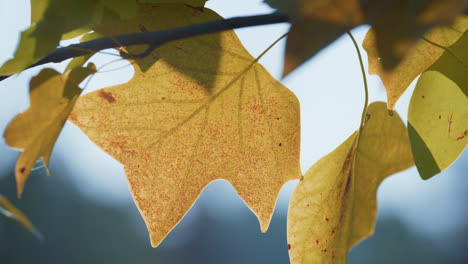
87,215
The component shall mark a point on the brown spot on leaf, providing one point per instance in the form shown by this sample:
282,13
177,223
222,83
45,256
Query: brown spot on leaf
280,144
73,117
333,231
440,116
423,97
163,98
317,241
464,134
324,250
450,121
142,28
277,118
289,246
107,96
22,170
326,219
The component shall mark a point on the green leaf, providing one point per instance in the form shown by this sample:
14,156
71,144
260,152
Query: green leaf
55,20
438,111
334,206
52,97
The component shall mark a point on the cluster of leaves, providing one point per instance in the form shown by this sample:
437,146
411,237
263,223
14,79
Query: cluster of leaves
201,108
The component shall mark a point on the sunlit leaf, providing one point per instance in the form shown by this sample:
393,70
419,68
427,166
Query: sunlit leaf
334,206
52,97
421,57
438,111
174,136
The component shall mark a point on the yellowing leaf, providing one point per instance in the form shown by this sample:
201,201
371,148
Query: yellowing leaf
174,135
438,111
52,97
334,206
421,57
10,211
53,20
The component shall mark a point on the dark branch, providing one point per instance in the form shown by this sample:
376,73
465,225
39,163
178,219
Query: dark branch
158,38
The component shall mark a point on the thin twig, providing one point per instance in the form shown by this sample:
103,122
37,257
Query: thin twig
158,38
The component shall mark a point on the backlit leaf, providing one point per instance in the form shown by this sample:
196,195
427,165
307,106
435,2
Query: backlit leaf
174,135
52,97
421,57
438,111
334,206
397,24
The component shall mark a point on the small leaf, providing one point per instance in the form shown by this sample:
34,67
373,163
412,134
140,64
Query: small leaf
421,57
438,111
52,97
174,136
334,206
10,211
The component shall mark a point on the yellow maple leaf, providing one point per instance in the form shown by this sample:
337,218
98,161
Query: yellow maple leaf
52,97
334,206
425,52
183,124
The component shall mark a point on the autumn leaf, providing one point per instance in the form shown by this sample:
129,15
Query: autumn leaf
397,24
174,135
55,20
9,210
438,111
52,97
334,206
421,57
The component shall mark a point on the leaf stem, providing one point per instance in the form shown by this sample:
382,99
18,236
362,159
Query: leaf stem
157,38
366,90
